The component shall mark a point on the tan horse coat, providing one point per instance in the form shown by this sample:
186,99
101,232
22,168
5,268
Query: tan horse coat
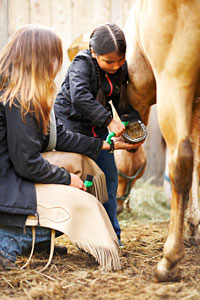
163,38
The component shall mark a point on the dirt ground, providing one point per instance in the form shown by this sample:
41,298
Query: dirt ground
77,276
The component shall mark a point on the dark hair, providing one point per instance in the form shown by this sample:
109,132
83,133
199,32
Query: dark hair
108,38
105,39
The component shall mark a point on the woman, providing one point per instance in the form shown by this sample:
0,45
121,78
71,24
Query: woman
28,66
96,76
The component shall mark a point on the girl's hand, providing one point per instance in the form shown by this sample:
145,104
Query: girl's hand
119,143
77,182
117,127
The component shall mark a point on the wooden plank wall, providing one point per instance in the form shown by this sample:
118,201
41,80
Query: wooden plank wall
3,22
69,19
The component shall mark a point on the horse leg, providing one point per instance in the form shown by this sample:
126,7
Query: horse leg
175,120
121,193
131,166
193,215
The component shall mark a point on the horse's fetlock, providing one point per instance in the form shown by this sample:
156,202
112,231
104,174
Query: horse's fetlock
173,259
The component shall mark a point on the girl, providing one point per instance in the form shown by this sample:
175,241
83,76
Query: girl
96,76
28,66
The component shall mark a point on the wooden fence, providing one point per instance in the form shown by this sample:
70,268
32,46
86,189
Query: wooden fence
69,19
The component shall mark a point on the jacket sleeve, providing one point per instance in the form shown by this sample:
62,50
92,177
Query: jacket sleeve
24,146
81,95
75,142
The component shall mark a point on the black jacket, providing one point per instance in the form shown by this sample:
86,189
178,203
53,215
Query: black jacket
21,164
76,104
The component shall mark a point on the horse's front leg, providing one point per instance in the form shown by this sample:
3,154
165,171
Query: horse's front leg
174,114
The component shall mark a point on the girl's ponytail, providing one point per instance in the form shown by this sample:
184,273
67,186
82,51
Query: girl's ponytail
123,96
101,98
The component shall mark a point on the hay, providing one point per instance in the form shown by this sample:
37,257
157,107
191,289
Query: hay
77,276
147,203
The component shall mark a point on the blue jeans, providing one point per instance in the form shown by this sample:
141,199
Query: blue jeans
14,240
107,164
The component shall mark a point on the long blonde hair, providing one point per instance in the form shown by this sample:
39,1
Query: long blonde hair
28,66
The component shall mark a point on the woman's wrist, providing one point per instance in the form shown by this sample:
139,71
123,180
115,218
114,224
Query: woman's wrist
109,147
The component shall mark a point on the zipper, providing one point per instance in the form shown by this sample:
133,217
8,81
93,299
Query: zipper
111,85
93,132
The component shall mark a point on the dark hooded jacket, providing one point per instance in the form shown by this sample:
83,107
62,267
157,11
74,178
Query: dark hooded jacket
76,104
21,164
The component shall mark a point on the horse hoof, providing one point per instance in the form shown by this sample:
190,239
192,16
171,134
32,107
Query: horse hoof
192,240
192,237
163,274
119,209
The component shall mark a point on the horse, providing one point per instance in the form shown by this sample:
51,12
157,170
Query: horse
163,55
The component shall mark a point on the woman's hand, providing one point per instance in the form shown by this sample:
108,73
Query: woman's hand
77,182
117,127
119,143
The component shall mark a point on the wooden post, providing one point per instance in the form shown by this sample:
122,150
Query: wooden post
154,147
3,22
